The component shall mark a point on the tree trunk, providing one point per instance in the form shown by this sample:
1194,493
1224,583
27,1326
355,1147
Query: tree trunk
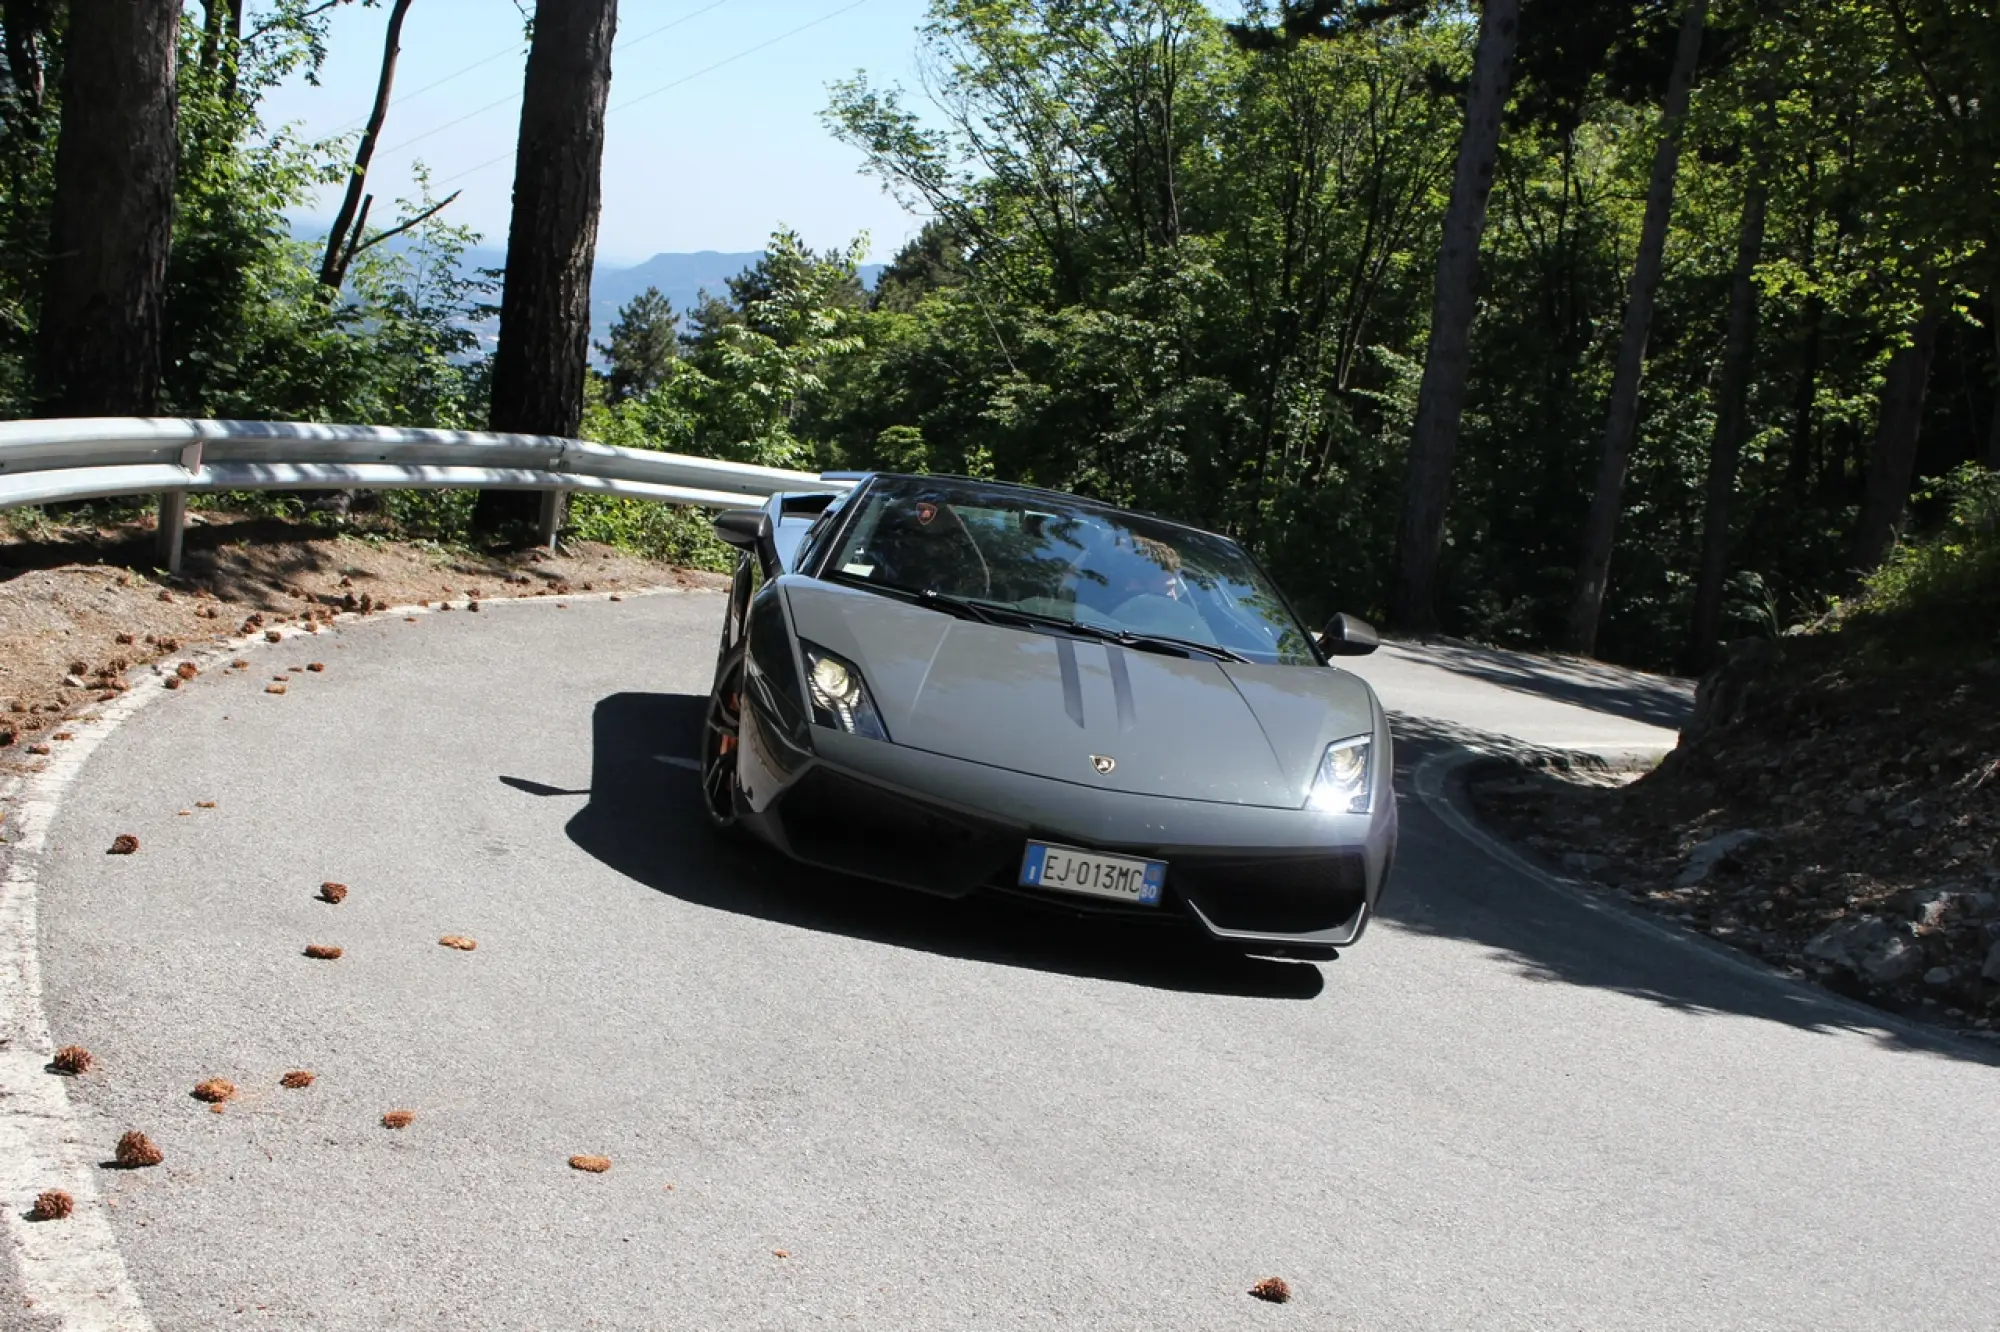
1621,422
539,367
233,62
1993,429
1898,423
27,29
339,245
214,21
1441,397
1738,351
111,225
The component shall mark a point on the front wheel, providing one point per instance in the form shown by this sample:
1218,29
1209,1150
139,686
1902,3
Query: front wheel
721,729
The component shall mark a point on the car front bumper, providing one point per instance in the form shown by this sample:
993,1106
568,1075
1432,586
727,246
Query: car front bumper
1262,879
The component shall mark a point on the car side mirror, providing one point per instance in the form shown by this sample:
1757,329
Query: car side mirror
1347,636
750,531
744,529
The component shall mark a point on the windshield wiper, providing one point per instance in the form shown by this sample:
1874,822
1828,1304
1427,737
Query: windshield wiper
1132,638
1155,642
987,612
963,606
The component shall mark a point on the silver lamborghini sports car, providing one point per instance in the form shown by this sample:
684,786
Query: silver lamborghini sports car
962,686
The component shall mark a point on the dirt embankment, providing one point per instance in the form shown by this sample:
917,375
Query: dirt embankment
1839,821
80,624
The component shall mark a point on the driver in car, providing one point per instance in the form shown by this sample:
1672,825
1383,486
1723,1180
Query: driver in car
923,546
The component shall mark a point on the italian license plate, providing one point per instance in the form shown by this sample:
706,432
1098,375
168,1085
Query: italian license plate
1121,878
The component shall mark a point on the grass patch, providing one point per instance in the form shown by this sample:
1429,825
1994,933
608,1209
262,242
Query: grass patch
1935,601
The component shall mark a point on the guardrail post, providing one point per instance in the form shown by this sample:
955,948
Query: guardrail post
550,521
172,524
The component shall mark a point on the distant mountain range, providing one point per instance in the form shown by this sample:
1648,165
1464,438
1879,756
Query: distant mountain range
681,278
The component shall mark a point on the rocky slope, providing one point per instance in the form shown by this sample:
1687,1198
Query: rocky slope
1835,817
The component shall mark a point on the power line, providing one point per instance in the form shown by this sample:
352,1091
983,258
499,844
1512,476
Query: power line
439,129
648,36
665,87
409,97
748,51
513,97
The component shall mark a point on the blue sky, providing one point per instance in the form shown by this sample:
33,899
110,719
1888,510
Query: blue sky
711,164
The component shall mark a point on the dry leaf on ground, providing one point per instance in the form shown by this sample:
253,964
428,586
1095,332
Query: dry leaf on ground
396,1119
296,1079
136,1151
324,952
214,1090
124,844
596,1165
1274,1289
459,942
333,892
73,1059
52,1205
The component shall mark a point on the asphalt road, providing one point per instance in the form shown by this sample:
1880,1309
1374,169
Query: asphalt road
1501,1110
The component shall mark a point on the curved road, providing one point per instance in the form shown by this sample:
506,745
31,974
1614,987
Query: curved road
1502,1110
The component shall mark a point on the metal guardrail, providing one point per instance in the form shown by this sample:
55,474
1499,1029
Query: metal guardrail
45,461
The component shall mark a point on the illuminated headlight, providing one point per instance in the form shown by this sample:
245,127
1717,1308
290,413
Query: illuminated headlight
1342,786
839,698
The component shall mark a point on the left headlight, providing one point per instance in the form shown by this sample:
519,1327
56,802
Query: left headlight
839,697
1343,786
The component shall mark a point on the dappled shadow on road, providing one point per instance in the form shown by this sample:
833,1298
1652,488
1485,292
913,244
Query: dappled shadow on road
645,821
1656,700
1449,887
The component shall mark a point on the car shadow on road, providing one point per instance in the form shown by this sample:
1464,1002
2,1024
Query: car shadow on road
644,820
1448,887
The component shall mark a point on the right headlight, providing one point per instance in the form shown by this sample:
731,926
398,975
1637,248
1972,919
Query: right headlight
1342,785
839,698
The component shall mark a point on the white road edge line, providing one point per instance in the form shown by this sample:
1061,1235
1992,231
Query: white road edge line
71,1271
1430,780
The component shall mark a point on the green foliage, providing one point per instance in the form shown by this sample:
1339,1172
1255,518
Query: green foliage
1189,267
644,342
1194,274
754,366
1950,579
682,536
444,516
1166,272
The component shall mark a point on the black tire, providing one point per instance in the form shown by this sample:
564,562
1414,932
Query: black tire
721,728
734,617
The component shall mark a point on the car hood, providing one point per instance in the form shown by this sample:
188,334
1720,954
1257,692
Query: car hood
1039,703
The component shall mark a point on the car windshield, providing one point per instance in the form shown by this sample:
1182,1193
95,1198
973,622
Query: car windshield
1039,555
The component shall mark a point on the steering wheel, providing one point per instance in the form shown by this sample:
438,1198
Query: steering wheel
985,569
